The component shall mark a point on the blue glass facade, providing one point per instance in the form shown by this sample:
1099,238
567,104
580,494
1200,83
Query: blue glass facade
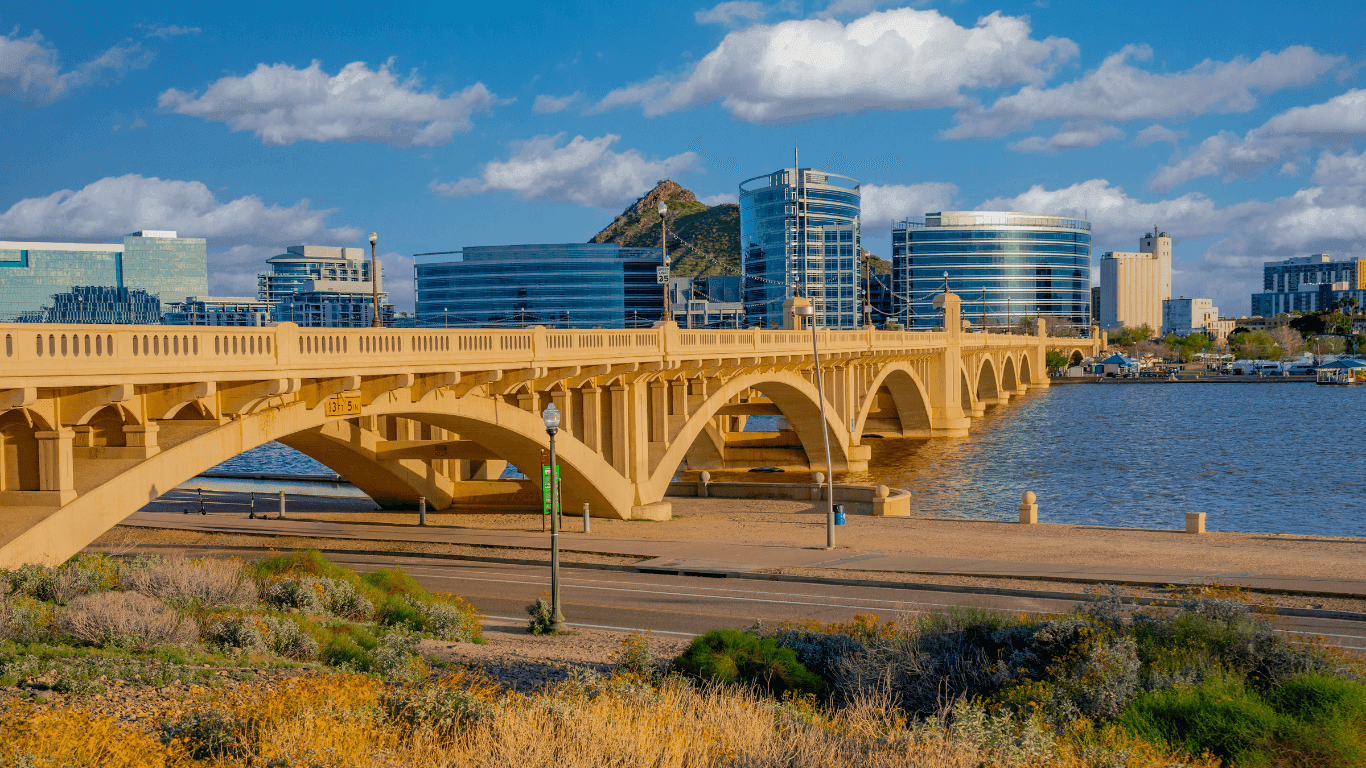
1003,265
161,264
568,285
799,228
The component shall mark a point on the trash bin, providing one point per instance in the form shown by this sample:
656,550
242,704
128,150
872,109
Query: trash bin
839,514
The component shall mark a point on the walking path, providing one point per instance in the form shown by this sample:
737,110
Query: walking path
745,536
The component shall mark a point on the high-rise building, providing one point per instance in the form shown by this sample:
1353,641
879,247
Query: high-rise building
321,286
1309,284
1185,316
1005,266
1133,285
218,310
799,231
708,302
565,285
156,263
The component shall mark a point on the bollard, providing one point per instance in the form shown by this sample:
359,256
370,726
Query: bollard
252,516
703,479
818,491
421,510
1195,522
839,514
282,506
1029,511
587,526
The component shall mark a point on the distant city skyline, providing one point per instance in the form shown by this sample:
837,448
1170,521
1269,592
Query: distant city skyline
1238,129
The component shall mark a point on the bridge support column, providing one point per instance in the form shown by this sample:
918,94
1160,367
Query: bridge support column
1041,380
56,476
947,415
592,418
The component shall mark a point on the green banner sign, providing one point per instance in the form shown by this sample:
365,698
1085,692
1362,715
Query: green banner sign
545,488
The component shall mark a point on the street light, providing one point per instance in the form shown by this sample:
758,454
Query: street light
664,251
807,311
551,417
374,282
447,310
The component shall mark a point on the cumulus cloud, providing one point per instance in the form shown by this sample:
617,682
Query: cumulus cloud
168,31
1070,136
282,104
1335,123
1118,91
550,104
891,60
720,199
732,13
117,205
30,70
586,172
1155,133
1329,217
881,204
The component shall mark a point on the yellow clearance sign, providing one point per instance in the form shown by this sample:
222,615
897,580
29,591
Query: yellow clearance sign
343,404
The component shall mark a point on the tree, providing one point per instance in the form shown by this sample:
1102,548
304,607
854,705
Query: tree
892,325
1127,337
1027,324
1055,359
1254,345
1289,340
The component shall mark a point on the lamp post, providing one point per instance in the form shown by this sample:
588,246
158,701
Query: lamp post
664,251
80,307
807,311
551,417
374,282
447,310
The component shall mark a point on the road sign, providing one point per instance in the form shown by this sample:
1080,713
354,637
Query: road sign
545,488
661,275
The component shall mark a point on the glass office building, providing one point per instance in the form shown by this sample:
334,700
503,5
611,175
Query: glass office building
799,229
322,286
158,263
567,285
1004,266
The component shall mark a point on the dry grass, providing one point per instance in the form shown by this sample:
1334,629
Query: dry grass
37,738
125,620
182,582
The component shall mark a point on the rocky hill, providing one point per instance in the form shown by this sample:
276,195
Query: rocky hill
712,230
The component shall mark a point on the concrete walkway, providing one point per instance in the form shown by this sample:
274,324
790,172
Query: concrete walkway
700,556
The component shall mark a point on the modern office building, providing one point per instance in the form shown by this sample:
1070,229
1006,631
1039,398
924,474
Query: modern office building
1309,284
708,302
799,231
321,286
1004,266
218,310
881,300
565,285
155,262
1134,285
1185,316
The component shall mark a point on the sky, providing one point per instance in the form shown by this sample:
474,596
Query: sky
1236,127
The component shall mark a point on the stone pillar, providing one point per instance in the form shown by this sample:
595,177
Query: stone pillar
947,417
56,472
592,419
529,401
144,437
1041,330
621,419
679,391
658,404
1029,511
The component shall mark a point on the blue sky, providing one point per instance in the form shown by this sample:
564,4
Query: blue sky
1236,127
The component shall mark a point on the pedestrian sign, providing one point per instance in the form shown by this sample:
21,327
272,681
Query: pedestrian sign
545,488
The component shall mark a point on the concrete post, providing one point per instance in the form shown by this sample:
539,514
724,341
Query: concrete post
703,480
818,486
281,515
1195,523
1029,511
422,510
587,524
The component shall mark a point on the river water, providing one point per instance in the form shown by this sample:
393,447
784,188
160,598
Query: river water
1275,458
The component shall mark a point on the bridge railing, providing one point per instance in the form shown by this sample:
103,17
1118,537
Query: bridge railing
51,350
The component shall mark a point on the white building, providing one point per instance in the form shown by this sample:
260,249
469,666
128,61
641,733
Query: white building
218,310
1185,316
1133,285
321,286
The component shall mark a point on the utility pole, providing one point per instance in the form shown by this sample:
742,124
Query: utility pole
664,253
374,283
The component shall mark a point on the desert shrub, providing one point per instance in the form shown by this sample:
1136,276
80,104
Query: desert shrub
1219,716
455,621
253,632
348,647
208,734
822,652
732,656
340,598
25,619
296,593
182,583
287,638
542,617
396,657
637,657
445,709
125,620
304,562
81,575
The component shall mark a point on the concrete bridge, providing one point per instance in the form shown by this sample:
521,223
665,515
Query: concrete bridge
98,420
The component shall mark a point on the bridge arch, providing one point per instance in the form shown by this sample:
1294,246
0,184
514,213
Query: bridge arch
909,398
988,387
1009,380
1026,370
19,469
1075,357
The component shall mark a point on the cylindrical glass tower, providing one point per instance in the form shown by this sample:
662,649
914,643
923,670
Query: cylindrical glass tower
1004,266
799,228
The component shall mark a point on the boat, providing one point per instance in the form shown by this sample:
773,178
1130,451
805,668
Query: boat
1341,373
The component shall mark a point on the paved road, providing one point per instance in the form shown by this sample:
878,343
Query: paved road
692,605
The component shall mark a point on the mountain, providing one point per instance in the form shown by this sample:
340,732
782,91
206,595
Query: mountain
697,231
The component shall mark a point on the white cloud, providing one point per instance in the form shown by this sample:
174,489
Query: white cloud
282,104
881,204
1069,136
720,199
731,13
168,31
585,172
29,68
1155,133
550,104
891,60
117,205
1335,123
1119,91
398,279
1327,218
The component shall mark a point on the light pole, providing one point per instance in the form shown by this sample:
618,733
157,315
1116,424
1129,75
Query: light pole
551,417
447,310
664,251
374,282
807,311
80,307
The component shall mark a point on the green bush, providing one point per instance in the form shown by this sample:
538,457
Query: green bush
1219,716
732,656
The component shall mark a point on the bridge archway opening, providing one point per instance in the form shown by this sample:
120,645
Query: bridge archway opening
1009,381
987,390
899,406
1026,370
1076,357
19,469
106,427
968,401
